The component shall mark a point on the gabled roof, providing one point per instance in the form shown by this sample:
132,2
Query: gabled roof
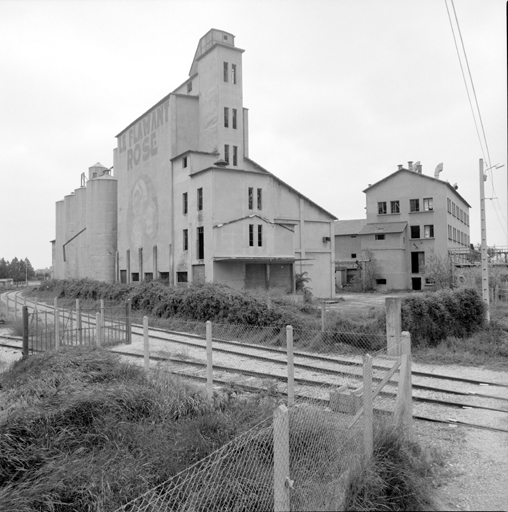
264,219
383,227
423,176
349,227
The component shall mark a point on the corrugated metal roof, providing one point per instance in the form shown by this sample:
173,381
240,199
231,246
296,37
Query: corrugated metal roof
383,227
349,227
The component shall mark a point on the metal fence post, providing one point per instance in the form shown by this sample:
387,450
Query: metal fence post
281,459
393,306
290,365
25,331
209,360
78,323
368,413
98,329
146,345
128,331
57,328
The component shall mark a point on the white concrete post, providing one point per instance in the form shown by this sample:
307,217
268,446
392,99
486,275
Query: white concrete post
281,459
209,360
146,344
393,306
7,297
36,303
403,414
103,325
368,413
98,329
291,366
15,306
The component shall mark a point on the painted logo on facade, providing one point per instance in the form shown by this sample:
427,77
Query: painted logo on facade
143,213
140,140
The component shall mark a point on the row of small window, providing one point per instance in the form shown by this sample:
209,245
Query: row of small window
428,231
226,72
200,241
414,206
458,212
457,236
185,160
259,197
233,117
185,201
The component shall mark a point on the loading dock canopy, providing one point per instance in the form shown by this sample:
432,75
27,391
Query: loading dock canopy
257,259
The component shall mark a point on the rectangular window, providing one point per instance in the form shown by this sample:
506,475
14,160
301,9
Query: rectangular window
226,153
449,204
235,155
201,243
226,117
260,199
380,281
185,203
394,207
454,234
379,237
251,235
234,119
200,199
148,276
189,87
428,231
428,204
181,277
415,231
453,209
185,239
414,205
184,162
251,198
353,255
381,208
233,73
449,232
353,236
260,236
225,71
135,277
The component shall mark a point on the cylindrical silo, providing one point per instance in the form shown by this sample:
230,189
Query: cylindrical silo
58,268
69,252
81,255
101,227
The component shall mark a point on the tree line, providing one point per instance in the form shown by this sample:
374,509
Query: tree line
19,270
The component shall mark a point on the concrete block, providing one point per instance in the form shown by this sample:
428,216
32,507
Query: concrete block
345,402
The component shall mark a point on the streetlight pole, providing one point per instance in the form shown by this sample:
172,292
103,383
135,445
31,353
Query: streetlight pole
485,262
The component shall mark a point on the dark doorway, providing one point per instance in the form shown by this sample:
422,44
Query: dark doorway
417,262
201,243
417,283
255,276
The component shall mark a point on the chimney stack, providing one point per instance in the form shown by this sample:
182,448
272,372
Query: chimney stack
410,165
399,167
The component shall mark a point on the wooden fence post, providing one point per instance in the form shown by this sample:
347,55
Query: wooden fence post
128,329
79,327
98,329
403,414
57,328
393,306
146,344
25,332
368,413
290,365
281,459
209,360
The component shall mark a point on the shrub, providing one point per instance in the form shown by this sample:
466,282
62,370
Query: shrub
432,317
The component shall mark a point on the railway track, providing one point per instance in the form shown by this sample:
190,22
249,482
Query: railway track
248,366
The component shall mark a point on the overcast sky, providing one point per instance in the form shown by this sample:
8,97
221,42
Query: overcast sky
339,92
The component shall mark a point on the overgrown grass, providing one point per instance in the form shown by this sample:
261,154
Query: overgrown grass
82,431
398,477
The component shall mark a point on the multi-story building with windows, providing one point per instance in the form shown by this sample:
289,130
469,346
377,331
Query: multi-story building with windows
193,206
410,216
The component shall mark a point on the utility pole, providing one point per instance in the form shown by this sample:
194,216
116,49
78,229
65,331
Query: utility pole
485,261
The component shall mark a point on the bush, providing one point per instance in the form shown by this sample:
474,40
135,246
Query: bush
432,317
396,478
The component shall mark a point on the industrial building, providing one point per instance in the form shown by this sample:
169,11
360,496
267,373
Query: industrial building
410,217
187,202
